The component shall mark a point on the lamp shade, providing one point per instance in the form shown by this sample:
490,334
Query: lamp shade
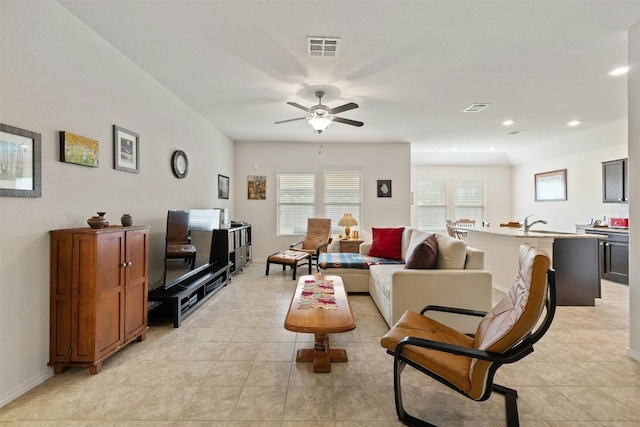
347,220
319,123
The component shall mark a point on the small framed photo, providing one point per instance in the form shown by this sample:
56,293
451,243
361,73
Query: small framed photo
79,150
551,186
384,188
257,187
223,187
21,171
126,150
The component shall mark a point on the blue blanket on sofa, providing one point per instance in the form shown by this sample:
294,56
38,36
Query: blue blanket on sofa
351,260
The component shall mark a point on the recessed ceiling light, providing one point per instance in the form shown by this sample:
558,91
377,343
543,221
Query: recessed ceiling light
573,123
455,148
492,148
508,122
618,71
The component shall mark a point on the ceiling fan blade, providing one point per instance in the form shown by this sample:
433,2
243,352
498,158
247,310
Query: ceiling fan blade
348,121
345,107
290,120
295,104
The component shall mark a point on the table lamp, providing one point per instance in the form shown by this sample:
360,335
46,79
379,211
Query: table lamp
347,221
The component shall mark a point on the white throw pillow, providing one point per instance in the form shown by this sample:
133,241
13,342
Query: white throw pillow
452,253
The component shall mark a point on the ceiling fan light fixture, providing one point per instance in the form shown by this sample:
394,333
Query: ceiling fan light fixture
319,123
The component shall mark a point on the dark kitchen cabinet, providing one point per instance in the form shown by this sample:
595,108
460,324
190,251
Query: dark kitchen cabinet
615,182
614,255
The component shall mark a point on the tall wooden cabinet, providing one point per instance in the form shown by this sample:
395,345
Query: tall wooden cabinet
99,282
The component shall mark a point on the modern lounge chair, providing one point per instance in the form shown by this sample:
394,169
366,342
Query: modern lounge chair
316,240
468,364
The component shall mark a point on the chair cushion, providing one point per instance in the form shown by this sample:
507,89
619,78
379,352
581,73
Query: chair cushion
516,314
424,254
451,253
318,231
454,368
386,243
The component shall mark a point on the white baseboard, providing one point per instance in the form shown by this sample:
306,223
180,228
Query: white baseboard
633,354
26,387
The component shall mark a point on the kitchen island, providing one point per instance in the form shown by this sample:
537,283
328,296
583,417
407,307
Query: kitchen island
574,257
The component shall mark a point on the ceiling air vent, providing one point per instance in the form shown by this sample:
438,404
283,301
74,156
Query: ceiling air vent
475,108
517,132
323,46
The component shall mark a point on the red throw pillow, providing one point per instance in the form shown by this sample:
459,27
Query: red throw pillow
424,255
387,243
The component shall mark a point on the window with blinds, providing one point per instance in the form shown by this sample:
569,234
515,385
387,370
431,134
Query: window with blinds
342,194
432,204
296,193
469,200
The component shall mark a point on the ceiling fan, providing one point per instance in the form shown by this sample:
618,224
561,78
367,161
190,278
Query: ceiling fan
320,116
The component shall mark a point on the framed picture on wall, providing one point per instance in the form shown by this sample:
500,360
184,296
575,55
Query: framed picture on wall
21,172
257,187
223,187
384,188
551,186
79,150
126,150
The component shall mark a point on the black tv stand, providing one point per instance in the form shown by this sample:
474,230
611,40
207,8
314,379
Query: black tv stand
181,299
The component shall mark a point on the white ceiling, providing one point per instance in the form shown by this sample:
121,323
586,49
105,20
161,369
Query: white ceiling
412,66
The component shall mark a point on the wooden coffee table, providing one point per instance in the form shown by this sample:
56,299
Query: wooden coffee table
320,307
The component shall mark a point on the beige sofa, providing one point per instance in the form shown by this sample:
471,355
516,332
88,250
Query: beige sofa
458,280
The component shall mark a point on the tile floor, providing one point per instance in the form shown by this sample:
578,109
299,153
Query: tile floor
232,363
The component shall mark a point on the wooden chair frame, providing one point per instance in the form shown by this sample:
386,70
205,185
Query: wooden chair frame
517,352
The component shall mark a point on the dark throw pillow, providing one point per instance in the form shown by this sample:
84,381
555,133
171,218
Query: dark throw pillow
386,243
424,255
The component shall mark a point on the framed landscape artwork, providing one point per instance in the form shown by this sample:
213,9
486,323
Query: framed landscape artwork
126,150
79,150
20,162
551,186
223,187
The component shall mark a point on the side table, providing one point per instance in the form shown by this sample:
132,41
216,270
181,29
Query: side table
350,245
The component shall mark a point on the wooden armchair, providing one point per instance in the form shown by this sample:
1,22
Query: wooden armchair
468,364
316,240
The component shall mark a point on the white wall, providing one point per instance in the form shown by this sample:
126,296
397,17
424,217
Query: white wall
56,74
634,191
584,178
376,161
497,187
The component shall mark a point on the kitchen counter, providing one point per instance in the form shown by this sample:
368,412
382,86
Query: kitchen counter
574,257
535,233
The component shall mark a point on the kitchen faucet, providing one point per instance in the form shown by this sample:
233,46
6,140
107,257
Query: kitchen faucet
526,226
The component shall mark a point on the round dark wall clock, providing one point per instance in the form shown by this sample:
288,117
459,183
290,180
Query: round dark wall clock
180,164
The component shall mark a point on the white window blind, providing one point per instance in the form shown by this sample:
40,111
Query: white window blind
469,200
296,202
432,204
342,194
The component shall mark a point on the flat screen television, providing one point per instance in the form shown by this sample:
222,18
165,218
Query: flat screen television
188,244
